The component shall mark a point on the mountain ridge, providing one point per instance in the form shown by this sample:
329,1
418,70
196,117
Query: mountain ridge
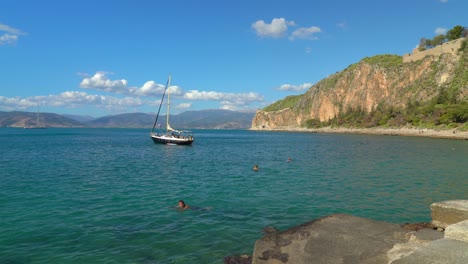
202,119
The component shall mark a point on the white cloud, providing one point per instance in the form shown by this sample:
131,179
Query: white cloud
440,31
126,98
305,33
71,99
10,34
100,81
8,39
277,28
227,100
294,88
184,106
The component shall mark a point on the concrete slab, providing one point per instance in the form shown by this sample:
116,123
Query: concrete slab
441,251
458,231
449,212
338,238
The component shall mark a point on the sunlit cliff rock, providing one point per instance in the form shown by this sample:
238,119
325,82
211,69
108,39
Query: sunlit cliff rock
370,83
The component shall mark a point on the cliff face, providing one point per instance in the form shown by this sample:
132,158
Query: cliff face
378,80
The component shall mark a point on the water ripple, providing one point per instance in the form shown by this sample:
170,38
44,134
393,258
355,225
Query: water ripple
108,195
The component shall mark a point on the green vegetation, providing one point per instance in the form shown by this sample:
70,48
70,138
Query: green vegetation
447,109
453,34
386,61
436,113
456,33
288,102
460,76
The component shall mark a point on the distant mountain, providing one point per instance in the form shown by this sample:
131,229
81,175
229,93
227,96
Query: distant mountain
132,120
80,118
203,119
213,118
28,119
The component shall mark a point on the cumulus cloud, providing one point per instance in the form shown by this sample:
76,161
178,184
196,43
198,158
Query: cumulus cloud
279,28
9,35
71,99
440,31
305,33
100,81
276,29
227,100
294,88
125,98
184,106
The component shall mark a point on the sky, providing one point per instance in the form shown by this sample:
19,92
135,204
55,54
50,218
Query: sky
98,57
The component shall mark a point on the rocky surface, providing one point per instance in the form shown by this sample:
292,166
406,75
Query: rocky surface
365,85
449,212
342,238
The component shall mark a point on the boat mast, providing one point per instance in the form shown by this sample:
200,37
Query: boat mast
160,104
37,117
168,104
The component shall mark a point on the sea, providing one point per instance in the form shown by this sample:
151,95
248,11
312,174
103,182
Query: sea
79,195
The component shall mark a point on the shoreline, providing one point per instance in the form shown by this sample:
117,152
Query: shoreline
404,131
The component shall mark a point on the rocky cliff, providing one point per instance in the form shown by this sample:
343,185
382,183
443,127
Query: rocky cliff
383,80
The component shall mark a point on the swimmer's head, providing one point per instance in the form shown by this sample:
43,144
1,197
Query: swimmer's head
181,203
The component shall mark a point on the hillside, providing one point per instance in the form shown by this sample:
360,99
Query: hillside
28,119
203,119
381,91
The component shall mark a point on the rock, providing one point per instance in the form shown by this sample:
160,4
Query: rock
238,259
440,251
449,212
458,231
417,226
340,238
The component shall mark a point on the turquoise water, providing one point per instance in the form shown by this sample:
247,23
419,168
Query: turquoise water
107,195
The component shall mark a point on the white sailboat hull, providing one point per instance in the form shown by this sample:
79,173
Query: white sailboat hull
170,139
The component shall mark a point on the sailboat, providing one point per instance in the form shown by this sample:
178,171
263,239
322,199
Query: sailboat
38,125
171,136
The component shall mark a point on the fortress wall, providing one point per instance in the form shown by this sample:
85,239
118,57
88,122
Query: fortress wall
448,47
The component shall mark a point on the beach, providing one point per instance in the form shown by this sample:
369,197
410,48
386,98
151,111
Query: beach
404,131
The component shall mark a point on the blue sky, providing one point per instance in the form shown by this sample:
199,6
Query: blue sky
108,57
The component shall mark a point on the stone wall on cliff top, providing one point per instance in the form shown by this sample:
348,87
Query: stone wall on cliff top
365,85
448,47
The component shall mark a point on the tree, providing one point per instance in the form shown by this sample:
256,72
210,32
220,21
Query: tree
438,40
422,44
428,43
455,33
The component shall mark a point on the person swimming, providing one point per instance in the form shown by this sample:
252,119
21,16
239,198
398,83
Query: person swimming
255,167
181,205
